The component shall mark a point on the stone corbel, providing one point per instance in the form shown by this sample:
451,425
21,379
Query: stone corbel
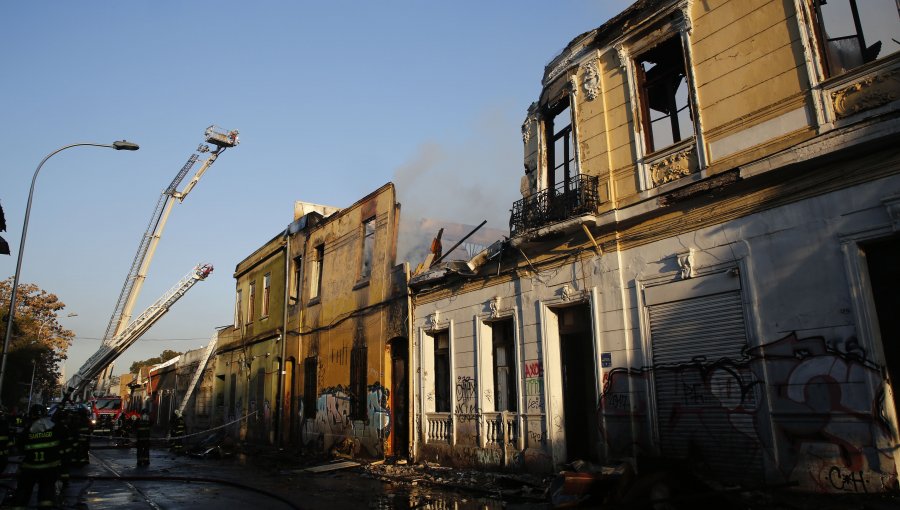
871,92
622,54
672,167
494,306
590,81
432,321
686,263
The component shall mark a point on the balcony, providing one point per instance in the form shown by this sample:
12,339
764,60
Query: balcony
566,200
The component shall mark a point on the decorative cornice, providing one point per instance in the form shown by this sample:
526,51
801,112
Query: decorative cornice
672,167
590,81
871,92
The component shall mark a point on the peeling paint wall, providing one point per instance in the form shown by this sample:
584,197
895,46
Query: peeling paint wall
348,327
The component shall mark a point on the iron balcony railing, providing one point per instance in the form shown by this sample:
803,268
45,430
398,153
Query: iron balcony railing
563,201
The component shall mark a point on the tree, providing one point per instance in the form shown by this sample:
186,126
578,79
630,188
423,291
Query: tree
38,343
162,358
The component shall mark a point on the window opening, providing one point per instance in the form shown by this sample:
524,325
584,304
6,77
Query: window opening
266,288
442,372
298,274
504,359
358,369
663,89
368,248
318,265
560,147
853,33
237,309
251,300
310,386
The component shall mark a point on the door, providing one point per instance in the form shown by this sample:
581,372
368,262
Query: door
399,397
576,349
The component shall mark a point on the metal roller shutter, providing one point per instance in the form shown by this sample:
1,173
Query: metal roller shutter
706,396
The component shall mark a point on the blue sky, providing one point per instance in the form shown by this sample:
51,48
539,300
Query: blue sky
332,100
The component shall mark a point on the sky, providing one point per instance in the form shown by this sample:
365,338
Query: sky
332,100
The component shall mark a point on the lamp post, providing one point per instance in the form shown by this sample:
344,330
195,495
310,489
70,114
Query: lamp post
119,146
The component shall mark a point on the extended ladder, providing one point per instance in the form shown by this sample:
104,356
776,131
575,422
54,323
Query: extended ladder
199,373
109,351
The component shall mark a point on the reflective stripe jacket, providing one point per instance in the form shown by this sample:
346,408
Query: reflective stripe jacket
42,446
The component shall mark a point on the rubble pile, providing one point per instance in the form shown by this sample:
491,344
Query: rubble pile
506,486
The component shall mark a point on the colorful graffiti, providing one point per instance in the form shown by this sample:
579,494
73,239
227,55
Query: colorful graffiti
335,427
534,386
811,402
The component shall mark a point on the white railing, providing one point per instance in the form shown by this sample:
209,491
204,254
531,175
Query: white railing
438,427
501,428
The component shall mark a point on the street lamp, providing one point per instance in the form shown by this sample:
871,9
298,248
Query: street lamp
122,145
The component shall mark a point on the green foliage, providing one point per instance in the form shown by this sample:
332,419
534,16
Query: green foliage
38,344
162,358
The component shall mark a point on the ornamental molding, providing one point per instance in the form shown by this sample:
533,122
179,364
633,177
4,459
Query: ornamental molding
494,306
528,128
590,81
623,54
431,322
686,263
871,92
672,167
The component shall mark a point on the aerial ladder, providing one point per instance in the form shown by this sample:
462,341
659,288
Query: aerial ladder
110,351
121,315
198,374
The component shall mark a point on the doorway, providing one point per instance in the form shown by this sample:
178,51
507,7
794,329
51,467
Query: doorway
884,276
399,398
578,371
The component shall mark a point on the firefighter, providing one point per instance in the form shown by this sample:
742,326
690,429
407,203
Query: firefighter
82,455
142,436
177,433
41,463
62,421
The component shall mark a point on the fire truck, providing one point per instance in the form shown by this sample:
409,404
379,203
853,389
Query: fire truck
106,413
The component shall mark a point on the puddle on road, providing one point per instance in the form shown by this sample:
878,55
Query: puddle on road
407,498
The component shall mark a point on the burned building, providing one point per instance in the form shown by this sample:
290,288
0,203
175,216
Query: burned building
702,267
325,296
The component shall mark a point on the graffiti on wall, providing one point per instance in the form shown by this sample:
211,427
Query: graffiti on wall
828,427
466,403
534,386
334,426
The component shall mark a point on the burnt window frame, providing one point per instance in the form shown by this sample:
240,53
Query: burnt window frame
318,267
821,39
552,133
645,92
367,254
